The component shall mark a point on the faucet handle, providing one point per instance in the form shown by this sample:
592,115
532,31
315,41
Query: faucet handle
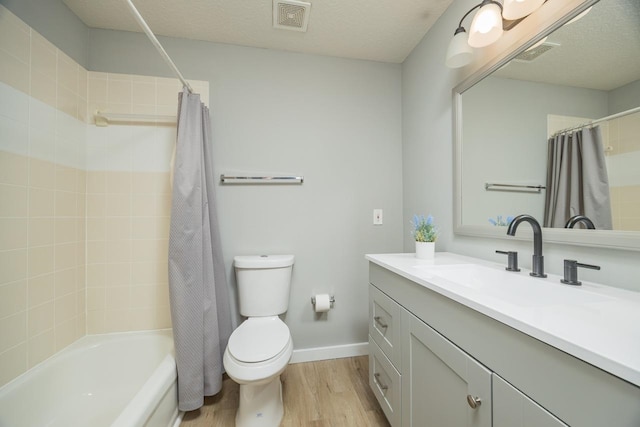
512,260
571,271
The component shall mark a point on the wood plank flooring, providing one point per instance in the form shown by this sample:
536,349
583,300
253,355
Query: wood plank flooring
328,393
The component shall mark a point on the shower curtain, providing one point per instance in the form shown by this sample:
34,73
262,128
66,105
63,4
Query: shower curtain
197,280
577,180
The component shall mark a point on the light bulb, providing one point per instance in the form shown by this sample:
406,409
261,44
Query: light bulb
486,26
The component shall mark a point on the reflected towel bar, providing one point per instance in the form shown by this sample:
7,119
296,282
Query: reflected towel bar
492,186
275,179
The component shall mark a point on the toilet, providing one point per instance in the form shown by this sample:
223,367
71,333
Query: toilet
260,348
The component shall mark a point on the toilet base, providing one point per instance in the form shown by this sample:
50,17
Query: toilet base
260,404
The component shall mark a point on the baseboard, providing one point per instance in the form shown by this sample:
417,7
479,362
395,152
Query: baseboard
332,352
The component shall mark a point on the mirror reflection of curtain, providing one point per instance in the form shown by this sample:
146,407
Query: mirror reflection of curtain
577,180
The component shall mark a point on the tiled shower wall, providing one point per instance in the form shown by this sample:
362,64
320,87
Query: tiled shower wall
84,210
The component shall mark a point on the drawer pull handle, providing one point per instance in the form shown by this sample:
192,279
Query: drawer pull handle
376,378
473,401
379,322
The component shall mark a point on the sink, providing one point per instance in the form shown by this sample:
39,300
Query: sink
516,288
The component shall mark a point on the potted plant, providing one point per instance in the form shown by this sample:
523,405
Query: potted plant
425,235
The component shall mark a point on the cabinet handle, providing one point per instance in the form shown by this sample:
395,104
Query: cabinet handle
473,401
379,322
376,378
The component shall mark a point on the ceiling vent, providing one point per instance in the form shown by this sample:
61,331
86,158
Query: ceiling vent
535,52
291,15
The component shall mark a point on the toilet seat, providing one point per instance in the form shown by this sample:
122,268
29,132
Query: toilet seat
258,339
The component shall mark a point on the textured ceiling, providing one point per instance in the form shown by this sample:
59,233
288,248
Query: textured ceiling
600,51
378,30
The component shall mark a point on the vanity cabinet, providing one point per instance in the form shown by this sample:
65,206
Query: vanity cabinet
446,357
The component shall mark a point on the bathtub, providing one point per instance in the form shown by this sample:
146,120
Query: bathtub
117,380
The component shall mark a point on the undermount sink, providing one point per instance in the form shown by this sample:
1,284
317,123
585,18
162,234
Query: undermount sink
511,287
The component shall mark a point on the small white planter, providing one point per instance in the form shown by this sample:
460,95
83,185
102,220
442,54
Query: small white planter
425,250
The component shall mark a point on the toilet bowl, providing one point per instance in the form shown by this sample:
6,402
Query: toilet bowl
260,349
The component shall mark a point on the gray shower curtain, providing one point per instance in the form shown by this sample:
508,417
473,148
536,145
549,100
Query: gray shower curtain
577,180
197,280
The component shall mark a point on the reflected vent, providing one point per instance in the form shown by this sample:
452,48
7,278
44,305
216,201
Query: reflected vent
534,53
291,15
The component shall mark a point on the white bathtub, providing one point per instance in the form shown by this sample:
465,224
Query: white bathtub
117,380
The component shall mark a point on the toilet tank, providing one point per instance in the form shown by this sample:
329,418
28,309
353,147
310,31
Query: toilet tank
264,282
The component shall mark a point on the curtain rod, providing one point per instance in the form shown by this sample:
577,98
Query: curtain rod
604,119
157,45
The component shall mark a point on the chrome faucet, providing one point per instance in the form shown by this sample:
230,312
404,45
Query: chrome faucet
537,259
580,218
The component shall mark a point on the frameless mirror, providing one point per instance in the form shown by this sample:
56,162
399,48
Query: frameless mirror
587,70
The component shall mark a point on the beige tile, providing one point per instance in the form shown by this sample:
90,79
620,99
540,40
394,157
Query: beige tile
97,90
118,205
143,109
65,282
143,79
119,92
144,93
118,228
95,299
81,205
143,183
44,88
13,362
41,289
143,319
65,230
96,275
95,322
96,229
13,233
13,330
43,56
41,231
144,205
68,74
66,203
66,178
13,265
83,110
81,301
143,296
120,77
41,260
167,95
14,201
96,252
148,250
163,317
81,277
98,75
143,228
83,78
117,298
41,202
163,225
116,320
118,182
65,334
118,274
81,324
96,182
147,273
13,298
14,39
14,169
65,256
65,308
41,347
118,251
67,101
14,72
42,174
96,205
167,110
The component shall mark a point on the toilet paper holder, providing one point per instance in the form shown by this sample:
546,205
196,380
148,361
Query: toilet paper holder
332,300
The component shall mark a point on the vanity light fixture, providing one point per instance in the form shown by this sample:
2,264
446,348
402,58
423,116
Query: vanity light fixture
486,27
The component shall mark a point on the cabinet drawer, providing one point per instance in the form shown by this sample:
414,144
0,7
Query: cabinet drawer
384,324
385,383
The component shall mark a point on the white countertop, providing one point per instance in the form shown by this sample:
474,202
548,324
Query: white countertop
595,323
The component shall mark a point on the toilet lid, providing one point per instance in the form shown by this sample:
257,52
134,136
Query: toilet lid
258,339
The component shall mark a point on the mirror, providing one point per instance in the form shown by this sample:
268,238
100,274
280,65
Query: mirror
586,70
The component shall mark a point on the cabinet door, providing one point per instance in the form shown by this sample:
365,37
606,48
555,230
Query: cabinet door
511,408
440,382
385,382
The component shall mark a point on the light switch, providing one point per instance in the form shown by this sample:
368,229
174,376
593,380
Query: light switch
377,217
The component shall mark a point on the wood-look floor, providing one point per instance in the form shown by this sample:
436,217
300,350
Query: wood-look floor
328,393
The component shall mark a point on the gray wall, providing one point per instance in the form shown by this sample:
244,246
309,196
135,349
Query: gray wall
55,21
624,98
335,121
428,172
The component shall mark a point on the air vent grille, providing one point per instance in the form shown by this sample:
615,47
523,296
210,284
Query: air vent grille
291,15
534,53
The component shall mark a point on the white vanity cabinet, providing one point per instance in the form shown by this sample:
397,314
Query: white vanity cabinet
447,357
